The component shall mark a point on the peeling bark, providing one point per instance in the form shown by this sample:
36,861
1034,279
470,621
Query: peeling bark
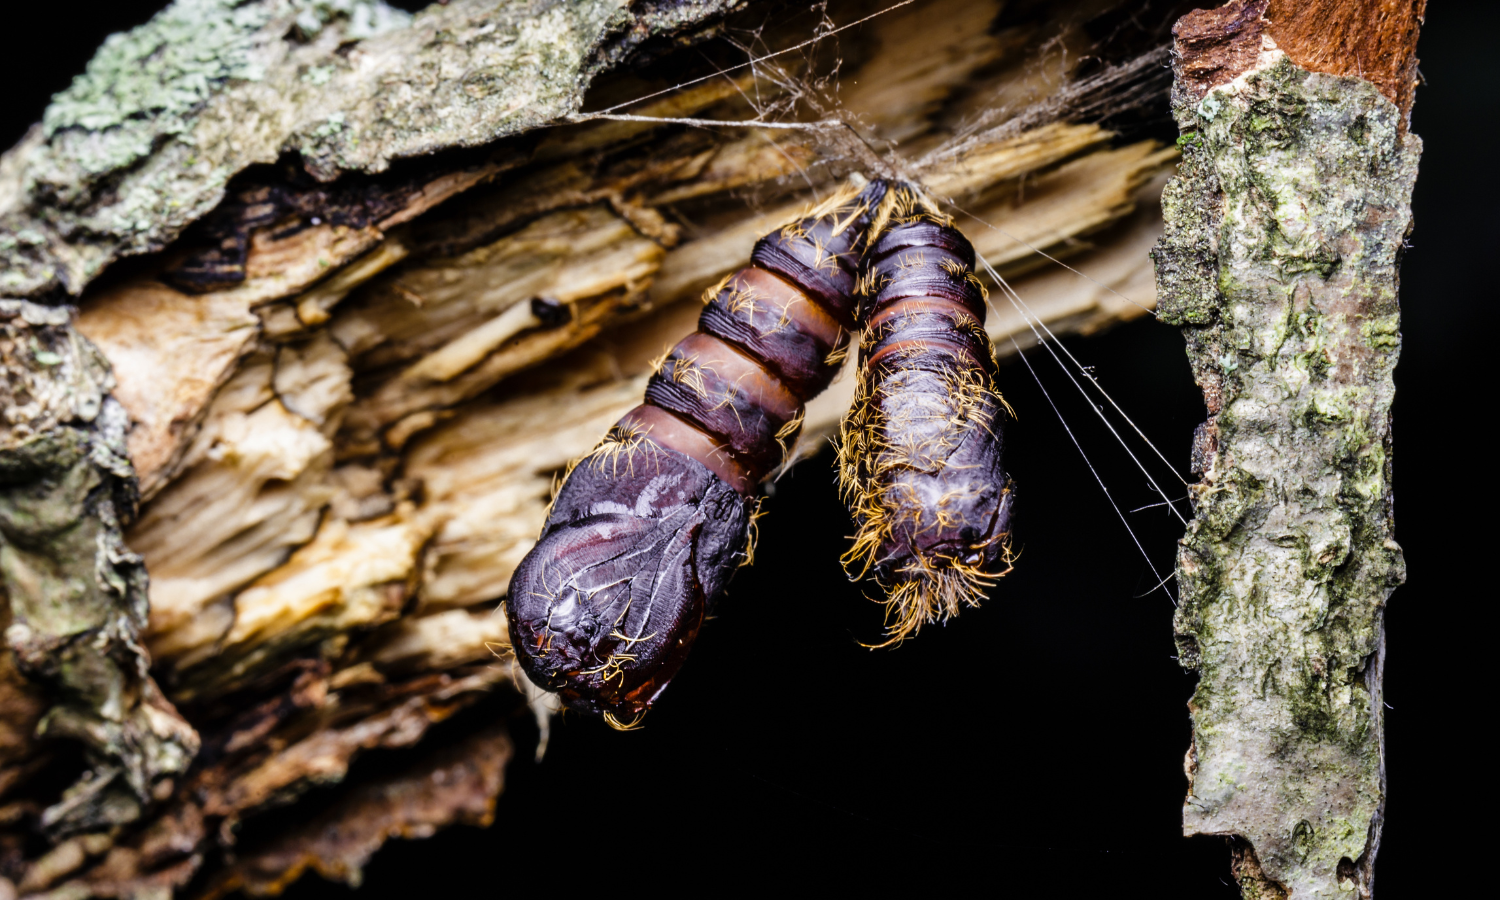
1375,40
1284,228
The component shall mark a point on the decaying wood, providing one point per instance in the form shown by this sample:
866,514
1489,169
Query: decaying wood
457,783
1284,228
355,357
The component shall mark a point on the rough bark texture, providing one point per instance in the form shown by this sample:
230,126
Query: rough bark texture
352,359
1284,228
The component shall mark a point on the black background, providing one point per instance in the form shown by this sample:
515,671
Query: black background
1033,746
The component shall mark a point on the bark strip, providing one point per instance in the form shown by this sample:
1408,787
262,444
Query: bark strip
335,493
1284,229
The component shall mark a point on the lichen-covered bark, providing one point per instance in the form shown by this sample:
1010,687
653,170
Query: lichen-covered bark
1284,230
145,141
77,594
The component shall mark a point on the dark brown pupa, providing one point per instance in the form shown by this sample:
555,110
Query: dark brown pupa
648,528
920,450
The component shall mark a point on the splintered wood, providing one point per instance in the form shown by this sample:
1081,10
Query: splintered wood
364,424
347,443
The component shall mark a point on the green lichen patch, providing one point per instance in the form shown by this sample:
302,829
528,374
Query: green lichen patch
1187,288
152,82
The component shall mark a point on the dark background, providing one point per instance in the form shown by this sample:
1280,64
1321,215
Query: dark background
1035,743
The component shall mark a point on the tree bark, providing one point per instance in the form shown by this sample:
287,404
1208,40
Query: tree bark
383,290
1284,228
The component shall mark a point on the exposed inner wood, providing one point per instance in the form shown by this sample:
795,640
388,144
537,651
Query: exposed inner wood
1371,39
326,436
